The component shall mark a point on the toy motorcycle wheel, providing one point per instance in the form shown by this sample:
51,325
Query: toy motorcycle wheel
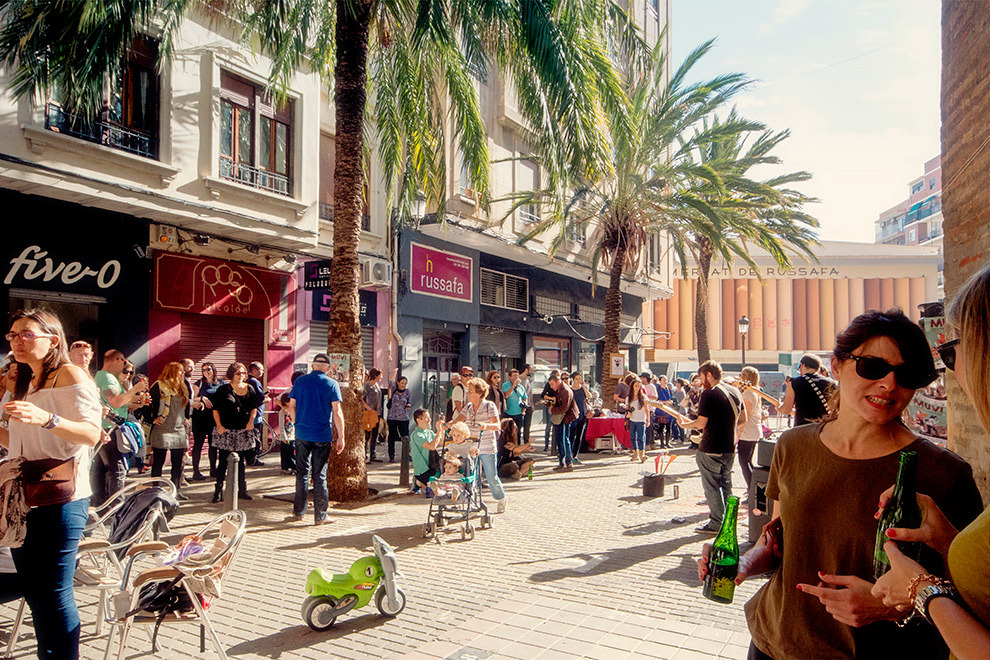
382,602
318,612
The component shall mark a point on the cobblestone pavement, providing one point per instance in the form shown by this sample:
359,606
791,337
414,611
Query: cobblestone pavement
580,565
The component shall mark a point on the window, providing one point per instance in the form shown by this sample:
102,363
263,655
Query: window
328,160
129,120
590,314
255,145
931,183
917,187
655,8
503,290
529,179
551,306
911,235
467,181
575,232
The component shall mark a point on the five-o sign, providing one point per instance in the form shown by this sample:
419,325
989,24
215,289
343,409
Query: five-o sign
443,274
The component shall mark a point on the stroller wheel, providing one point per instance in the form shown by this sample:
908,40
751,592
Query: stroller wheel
438,521
467,532
429,531
486,521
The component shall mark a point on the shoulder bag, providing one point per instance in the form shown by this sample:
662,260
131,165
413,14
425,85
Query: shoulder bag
49,481
821,396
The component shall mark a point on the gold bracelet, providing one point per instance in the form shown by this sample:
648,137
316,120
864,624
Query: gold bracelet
912,590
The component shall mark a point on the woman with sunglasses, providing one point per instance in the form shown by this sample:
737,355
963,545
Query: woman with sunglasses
202,419
54,413
170,408
961,610
824,481
234,407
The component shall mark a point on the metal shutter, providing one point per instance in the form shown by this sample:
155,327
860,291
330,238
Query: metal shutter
318,342
501,342
221,340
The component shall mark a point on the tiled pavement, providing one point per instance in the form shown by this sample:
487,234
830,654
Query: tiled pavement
580,565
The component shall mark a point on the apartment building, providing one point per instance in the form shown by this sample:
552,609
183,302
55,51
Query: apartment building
467,292
175,222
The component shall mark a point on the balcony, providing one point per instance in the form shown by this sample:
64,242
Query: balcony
105,133
255,177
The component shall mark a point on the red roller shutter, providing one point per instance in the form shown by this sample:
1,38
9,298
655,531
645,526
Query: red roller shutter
221,340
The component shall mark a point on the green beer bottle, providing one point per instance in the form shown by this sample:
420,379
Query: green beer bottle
723,560
902,510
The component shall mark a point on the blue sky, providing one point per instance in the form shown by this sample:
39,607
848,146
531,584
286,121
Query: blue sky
857,82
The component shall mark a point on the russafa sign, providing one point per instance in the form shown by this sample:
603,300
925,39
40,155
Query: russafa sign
442,274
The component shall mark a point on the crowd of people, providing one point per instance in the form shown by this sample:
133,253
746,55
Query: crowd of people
841,457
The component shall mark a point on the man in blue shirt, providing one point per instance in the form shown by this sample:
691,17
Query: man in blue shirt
319,422
516,399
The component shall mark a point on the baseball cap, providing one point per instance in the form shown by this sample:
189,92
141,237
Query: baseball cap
321,358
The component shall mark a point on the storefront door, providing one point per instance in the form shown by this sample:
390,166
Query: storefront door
549,353
441,358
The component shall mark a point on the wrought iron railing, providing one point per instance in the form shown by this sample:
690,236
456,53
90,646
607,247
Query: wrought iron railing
326,211
255,177
107,133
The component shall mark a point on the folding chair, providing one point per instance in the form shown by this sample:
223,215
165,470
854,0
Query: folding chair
199,575
98,566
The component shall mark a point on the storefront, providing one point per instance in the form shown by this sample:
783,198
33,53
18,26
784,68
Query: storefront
85,265
217,311
461,306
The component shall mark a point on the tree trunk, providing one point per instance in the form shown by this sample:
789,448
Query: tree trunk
705,252
348,479
613,320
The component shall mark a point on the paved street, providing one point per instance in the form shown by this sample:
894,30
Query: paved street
579,565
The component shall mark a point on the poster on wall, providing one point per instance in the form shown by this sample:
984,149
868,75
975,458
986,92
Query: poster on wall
340,367
617,365
927,410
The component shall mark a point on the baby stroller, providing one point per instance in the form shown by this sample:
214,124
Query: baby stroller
445,508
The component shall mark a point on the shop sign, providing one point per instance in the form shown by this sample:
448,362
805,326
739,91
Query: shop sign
367,304
316,274
442,274
200,285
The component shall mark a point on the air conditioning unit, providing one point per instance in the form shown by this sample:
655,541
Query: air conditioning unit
376,273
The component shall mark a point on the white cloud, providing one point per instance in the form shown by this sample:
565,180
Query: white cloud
783,12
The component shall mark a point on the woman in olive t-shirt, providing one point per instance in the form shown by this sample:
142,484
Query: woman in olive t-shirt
963,619
825,480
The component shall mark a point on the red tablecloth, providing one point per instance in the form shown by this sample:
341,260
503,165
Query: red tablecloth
599,426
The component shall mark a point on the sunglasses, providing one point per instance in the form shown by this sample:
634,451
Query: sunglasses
947,352
873,368
127,371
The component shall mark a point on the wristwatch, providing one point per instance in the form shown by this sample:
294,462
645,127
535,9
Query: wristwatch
52,423
930,592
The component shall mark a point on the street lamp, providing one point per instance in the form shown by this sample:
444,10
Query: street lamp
743,329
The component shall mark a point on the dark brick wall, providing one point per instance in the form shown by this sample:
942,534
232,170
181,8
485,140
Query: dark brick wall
966,190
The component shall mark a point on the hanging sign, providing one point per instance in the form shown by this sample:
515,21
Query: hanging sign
434,272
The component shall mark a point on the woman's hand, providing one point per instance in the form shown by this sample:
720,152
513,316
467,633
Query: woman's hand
741,574
26,412
936,531
158,421
221,430
892,587
250,426
848,599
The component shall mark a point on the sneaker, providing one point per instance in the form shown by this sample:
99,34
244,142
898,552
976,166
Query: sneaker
182,497
576,461
293,518
324,521
707,528
429,492
199,477
500,507
559,468
567,468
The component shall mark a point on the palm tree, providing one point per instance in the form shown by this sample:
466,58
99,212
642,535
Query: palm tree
765,213
419,54
653,181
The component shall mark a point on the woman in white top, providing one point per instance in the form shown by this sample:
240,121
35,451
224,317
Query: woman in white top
54,412
481,416
749,433
638,414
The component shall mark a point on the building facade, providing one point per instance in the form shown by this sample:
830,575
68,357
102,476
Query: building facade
794,310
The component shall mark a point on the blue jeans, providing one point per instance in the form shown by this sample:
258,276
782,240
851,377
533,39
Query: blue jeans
716,481
576,435
312,457
489,465
637,435
563,444
48,560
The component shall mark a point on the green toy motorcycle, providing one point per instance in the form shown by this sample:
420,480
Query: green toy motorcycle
329,597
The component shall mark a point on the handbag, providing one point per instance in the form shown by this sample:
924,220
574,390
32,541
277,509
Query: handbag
49,481
556,419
